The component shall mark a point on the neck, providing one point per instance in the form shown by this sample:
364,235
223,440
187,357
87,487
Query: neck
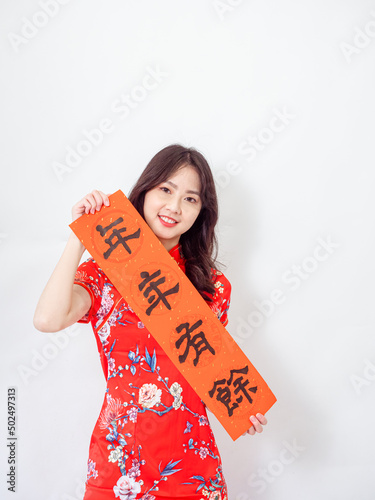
168,245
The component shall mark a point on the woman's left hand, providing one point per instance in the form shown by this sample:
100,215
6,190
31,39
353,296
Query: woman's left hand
258,421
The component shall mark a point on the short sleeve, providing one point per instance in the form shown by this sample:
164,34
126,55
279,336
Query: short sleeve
222,296
90,276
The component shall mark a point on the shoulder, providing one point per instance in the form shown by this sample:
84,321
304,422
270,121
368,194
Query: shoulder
89,272
90,264
220,281
89,276
221,298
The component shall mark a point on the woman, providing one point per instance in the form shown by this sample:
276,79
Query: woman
152,439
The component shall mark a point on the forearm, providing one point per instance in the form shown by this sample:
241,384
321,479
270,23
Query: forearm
56,299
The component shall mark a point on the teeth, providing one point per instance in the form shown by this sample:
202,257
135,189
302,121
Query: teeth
171,221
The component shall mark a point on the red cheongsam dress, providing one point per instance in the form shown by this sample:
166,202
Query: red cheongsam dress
152,439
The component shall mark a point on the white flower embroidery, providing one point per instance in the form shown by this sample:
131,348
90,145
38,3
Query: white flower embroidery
111,412
203,452
149,395
104,332
177,403
176,390
111,364
115,454
107,301
133,412
126,488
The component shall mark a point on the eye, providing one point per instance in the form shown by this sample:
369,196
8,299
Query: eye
191,199
163,187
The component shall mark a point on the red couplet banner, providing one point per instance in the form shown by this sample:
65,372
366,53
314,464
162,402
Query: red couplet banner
175,313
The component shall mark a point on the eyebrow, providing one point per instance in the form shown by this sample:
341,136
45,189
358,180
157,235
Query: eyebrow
189,191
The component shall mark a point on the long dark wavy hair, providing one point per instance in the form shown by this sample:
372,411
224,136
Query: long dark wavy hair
199,244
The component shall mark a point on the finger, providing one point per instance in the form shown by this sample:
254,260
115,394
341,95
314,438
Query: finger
251,431
257,425
98,199
262,419
105,198
95,201
86,204
89,202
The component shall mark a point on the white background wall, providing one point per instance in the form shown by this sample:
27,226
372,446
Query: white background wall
296,215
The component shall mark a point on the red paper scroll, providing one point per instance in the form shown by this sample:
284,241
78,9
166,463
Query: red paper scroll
173,311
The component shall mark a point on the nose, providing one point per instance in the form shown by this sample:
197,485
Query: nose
174,204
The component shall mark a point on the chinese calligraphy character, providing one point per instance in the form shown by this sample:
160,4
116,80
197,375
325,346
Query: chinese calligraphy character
198,342
153,286
224,394
116,234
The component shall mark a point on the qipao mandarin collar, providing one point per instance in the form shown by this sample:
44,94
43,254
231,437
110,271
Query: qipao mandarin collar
176,254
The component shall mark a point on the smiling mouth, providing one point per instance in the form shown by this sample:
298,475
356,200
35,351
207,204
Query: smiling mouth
167,219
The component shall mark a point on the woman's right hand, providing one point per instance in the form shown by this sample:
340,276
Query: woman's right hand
89,203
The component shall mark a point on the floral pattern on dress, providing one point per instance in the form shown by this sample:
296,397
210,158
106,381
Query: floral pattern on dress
126,488
91,471
146,396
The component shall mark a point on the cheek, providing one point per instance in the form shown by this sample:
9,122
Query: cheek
194,215
149,203
147,209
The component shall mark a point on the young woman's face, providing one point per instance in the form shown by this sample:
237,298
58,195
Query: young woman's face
171,208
